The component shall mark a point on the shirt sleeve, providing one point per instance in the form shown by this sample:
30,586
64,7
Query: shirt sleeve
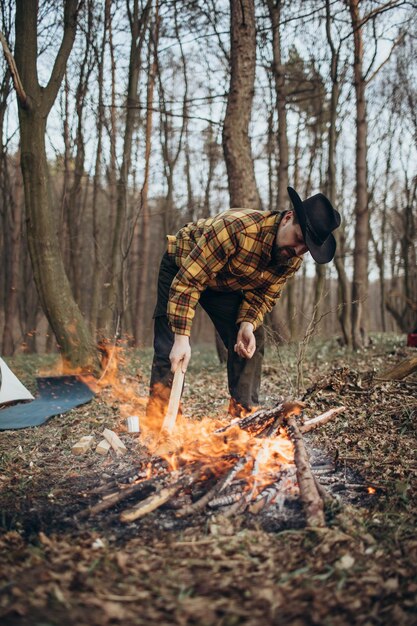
209,255
258,302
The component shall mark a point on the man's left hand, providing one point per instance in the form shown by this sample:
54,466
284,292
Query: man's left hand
245,343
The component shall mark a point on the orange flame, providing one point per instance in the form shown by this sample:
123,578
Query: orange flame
191,440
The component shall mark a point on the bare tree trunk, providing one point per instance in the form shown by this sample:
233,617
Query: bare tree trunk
213,153
35,102
140,327
404,307
344,293
170,151
74,204
320,277
13,244
236,144
11,231
29,307
113,300
98,272
270,153
379,243
274,7
106,234
360,258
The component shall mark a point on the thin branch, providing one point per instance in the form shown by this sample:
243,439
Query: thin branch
392,4
20,92
396,43
71,10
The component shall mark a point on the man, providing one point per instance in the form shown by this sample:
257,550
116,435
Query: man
235,265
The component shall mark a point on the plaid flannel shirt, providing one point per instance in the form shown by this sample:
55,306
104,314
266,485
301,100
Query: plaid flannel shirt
232,251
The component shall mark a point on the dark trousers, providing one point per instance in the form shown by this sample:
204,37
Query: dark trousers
244,375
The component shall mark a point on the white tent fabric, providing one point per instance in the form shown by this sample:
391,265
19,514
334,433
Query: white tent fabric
11,389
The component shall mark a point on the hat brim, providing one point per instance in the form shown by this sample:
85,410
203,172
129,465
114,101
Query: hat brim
321,254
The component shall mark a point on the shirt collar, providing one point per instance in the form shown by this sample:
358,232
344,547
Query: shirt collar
270,229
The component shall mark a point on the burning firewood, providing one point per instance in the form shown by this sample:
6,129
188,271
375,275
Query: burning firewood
267,496
224,481
257,422
201,503
245,466
110,500
225,500
161,497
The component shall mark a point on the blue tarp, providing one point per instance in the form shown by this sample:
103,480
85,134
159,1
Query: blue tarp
56,395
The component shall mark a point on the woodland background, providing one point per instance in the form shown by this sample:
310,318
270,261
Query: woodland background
122,120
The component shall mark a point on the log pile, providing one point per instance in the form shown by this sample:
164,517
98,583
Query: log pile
231,483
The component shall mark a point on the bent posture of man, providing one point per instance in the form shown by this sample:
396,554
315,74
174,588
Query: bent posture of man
235,265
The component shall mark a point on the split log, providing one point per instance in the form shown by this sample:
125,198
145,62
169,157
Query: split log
115,442
174,400
401,370
83,445
315,422
103,447
313,504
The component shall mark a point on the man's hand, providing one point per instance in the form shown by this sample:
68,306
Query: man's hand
245,342
181,352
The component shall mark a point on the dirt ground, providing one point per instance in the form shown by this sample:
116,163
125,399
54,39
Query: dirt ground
57,568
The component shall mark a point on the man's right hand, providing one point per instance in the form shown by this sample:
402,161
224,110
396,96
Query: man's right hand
181,352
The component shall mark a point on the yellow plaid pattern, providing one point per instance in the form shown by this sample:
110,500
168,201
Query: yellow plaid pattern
232,251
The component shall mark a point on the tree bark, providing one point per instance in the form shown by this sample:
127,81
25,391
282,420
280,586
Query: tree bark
70,329
236,143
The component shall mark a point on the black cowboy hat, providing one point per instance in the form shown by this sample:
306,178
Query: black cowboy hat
317,219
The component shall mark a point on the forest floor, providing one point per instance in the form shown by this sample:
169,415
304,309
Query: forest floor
58,570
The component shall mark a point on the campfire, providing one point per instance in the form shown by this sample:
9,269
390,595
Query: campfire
246,465
206,466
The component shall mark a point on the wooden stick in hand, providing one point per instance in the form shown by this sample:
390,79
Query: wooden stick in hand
174,400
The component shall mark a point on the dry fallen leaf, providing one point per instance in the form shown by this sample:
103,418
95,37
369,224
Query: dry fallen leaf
345,562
